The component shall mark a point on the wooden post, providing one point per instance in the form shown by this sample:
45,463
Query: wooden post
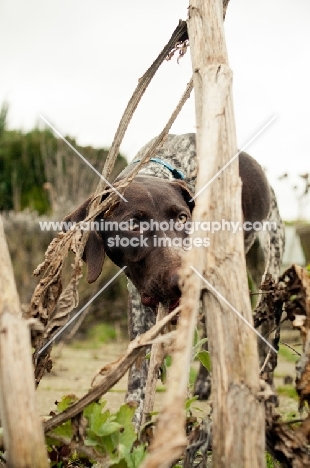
22,428
238,417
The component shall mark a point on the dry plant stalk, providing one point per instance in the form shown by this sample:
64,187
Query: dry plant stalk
49,305
303,368
178,35
23,434
233,345
289,443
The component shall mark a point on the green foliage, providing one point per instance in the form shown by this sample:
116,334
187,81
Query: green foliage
65,429
66,402
113,434
101,333
3,117
198,353
109,434
164,368
204,358
201,354
288,391
270,462
22,171
22,168
193,372
189,402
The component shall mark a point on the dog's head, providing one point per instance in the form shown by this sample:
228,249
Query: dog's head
144,234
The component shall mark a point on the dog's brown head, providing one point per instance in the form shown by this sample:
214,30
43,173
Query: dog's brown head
145,234
138,235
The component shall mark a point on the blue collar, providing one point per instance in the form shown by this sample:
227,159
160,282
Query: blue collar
175,172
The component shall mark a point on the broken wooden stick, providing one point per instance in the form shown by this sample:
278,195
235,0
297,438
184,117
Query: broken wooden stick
22,427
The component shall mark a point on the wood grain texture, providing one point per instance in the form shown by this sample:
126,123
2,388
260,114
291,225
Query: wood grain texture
238,417
23,431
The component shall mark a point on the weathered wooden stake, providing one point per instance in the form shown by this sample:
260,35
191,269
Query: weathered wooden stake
23,431
238,417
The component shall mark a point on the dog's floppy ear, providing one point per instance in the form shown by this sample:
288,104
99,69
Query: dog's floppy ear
94,253
93,256
187,195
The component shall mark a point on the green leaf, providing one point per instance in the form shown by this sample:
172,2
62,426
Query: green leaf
50,442
163,369
108,445
198,346
196,336
65,402
127,436
91,440
204,358
124,453
120,464
163,373
138,455
108,428
98,418
192,375
91,408
111,434
189,401
65,430
134,457
125,415
168,360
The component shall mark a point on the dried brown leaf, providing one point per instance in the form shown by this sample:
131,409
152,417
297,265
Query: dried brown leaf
68,300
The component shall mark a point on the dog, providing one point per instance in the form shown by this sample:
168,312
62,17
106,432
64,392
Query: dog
160,194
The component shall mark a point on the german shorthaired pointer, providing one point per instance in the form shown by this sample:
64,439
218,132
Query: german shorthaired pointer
162,192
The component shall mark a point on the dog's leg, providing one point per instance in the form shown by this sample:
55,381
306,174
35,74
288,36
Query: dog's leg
141,319
273,251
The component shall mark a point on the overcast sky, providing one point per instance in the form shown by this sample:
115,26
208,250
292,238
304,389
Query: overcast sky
78,62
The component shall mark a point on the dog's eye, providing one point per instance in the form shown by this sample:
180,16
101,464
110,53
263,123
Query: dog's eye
182,218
